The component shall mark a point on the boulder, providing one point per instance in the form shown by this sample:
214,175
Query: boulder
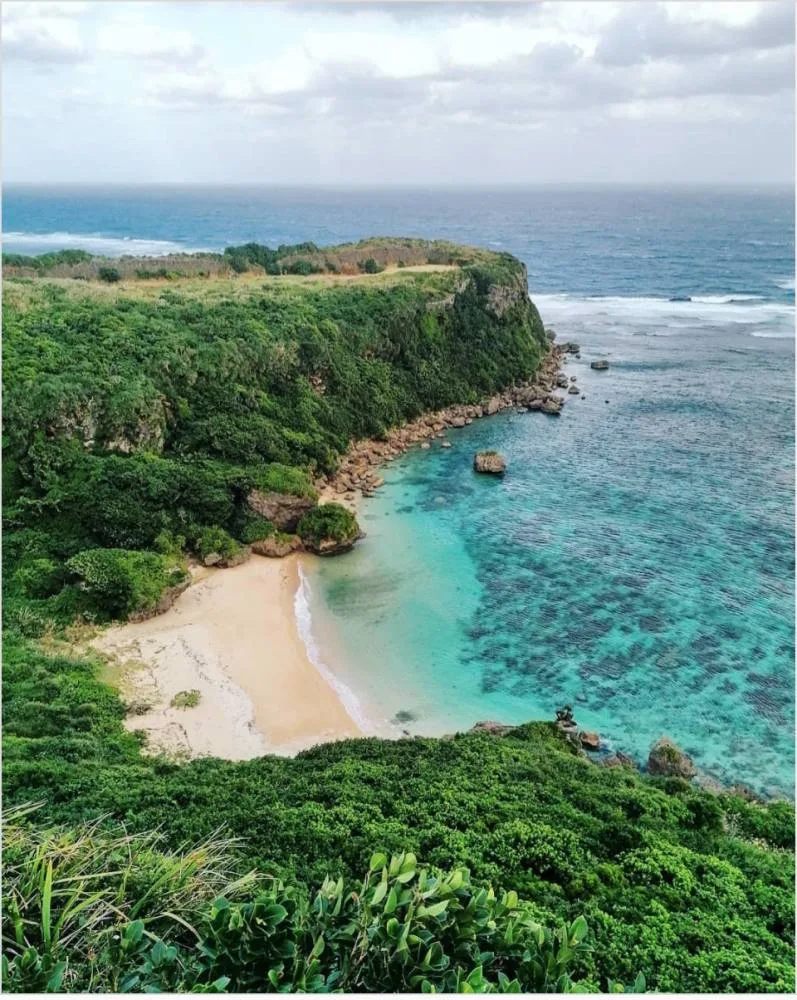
561,380
572,378
493,406
569,347
282,509
599,366
552,406
445,444
535,404
574,390
458,421
493,728
668,759
165,601
277,545
618,759
589,740
425,444
489,462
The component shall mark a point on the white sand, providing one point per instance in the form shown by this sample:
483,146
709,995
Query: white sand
232,636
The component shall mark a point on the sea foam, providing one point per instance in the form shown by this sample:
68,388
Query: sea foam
304,624
96,243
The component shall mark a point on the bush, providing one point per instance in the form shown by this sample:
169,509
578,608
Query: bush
212,540
328,525
122,582
370,266
255,529
108,274
94,910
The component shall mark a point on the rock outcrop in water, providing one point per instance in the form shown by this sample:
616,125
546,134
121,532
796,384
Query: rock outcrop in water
599,366
489,462
669,760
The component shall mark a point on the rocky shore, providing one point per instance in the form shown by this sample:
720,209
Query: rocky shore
358,476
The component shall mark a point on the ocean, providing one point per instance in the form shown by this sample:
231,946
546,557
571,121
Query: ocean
637,559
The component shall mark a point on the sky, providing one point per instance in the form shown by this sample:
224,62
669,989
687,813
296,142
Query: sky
398,93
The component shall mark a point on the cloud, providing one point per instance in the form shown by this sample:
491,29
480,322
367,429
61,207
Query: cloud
136,39
649,31
42,32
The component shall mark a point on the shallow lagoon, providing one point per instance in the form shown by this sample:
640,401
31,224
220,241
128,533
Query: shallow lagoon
636,560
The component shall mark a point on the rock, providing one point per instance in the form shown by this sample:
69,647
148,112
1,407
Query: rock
493,728
552,406
425,444
283,510
561,380
599,366
212,559
569,347
589,740
458,421
236,558
618,760
535,404
666,758
745,792
574,390
445,444
493,406
166,600
276,546
572,378
489,462
333,546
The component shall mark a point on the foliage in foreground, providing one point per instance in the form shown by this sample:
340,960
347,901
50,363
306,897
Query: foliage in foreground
694,889
85,909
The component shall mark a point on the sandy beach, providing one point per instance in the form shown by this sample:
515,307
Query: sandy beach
232,637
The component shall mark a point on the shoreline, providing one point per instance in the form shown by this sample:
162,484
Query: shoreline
357,475
243,642
232,637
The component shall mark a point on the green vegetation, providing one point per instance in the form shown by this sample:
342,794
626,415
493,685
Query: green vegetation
122,583
138,421
186,699
330,523
88,910
47,261
134,413
108,274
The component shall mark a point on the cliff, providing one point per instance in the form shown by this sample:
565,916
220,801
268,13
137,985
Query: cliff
143,414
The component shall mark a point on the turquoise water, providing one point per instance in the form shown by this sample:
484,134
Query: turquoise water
637,559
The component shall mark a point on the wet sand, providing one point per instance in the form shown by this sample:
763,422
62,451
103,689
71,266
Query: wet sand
232,636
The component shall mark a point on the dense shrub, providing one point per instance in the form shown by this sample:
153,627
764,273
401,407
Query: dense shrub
89,910
122,582
328,523
108,274
212,540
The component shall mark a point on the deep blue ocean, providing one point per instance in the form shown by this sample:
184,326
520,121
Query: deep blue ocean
637,560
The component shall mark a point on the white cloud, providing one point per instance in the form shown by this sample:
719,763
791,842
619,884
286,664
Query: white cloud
137,39
42,32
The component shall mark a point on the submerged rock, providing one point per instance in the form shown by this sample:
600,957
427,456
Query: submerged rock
489,462
599,366
668,759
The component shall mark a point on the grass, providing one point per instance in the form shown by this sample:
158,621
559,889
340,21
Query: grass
186,699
